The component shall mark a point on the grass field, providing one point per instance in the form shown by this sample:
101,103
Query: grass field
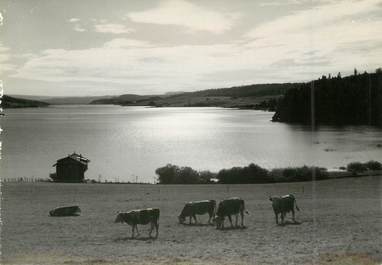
340,222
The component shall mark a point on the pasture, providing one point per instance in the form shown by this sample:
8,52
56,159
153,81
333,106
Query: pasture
340,222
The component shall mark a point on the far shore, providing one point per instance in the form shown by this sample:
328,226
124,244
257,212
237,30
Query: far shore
339,174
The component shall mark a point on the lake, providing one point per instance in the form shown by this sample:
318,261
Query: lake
129,143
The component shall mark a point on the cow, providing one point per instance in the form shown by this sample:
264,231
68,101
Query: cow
283,205
65,211
191,209
228,207
140,217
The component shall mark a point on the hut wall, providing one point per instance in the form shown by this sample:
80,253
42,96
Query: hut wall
70,171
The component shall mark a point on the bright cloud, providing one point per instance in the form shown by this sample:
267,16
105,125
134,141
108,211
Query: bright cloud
73,20
112,28
186,14
1,18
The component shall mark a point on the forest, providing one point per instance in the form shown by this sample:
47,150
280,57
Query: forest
351,100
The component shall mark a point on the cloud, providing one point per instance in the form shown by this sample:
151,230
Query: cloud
1,18
112,28
134,63
73,20
5,57
186,14
316,18
323,39
282,3
79,28
326,29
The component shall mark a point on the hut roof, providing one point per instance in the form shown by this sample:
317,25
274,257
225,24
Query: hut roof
76,157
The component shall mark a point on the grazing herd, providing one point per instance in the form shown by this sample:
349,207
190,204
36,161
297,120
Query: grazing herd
226,208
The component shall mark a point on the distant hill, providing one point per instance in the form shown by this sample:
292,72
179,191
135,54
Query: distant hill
127,99
74,100
249,96
12,102
62,100
352,100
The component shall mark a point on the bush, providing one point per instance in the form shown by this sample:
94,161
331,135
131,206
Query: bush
373,165
206,176
187,175
250,174
167,174
356,167
292,174
171,174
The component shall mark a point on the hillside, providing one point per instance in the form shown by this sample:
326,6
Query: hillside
125,100
352,100
251,96
74,100
12,102
69,100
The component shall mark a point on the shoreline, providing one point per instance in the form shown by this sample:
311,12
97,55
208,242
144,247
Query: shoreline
331,176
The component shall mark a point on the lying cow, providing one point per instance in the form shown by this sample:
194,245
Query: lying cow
65,211
228,207
140,217
283,205
191,209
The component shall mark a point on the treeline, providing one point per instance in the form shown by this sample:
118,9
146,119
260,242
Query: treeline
172,174
213,97
251,174
266,105
352,100
254,174
26,179
358,167
255,90
12,102
127,99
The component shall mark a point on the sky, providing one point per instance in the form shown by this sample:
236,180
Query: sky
95,48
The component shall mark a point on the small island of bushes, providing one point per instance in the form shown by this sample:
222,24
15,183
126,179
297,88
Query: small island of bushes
253,174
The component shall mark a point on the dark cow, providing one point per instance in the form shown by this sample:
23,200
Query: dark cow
191,209
283,205
228,207
140,217
66,211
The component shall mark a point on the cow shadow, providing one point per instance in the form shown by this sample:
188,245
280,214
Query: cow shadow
228,228
197,224
124,239
286,223
64,216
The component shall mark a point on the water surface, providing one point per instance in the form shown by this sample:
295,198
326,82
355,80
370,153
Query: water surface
126,143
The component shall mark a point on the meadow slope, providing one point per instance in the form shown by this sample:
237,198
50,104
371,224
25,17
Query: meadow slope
340,223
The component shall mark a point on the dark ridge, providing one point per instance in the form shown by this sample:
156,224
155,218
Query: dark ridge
260,96
352,100
12,102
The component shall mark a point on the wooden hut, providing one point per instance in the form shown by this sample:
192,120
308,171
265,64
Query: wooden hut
70,169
